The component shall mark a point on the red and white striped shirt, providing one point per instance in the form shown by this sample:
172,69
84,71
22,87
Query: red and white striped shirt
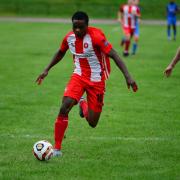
129,19
90,54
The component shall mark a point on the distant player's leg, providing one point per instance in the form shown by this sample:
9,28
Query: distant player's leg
61,123
174,28
169,28
127,44
169,32
136,39
123,40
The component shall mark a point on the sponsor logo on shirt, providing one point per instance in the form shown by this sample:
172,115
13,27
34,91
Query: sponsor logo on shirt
84,55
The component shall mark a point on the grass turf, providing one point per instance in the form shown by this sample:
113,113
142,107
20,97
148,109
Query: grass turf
138,136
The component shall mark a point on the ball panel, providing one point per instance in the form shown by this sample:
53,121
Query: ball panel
43,150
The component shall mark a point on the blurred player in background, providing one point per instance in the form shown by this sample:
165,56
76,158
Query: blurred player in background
171,66
127,15
91,52
136,31
171,11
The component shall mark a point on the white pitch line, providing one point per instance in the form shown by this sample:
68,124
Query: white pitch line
96,138
121,138
68,20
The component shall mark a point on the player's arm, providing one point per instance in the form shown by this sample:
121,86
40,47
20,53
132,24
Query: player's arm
56,58
171,66
177,10
137,13
130,82
120,14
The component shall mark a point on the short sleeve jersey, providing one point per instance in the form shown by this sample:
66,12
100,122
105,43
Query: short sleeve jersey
129,19
90,54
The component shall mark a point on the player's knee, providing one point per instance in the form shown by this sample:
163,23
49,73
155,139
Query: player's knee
93,125
64,109
93,122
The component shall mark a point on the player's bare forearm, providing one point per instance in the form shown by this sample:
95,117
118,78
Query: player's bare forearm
130,82
57,57
113,54
171,66
175,59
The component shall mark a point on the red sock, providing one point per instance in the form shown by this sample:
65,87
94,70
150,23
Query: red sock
127,43
84,106
59,130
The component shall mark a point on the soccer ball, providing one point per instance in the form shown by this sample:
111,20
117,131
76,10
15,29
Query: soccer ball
43,150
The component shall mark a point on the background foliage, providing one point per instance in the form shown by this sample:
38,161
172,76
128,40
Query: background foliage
151,9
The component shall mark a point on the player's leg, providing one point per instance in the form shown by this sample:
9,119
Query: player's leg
92,108
127,44
174,28
61,122
135,45
127,36
123,40
72,94
169,28
93,117
136,39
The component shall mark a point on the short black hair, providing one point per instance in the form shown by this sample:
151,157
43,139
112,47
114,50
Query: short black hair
80,15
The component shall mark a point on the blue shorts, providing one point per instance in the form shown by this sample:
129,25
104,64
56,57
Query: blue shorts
171,20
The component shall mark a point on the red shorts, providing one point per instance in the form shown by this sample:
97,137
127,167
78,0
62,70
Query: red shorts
128,31
94,91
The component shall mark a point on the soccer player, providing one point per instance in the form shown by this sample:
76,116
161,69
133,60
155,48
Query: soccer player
91,52
136,31
171,11
127,16
171,66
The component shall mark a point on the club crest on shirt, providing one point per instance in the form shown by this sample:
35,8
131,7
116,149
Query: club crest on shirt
85,45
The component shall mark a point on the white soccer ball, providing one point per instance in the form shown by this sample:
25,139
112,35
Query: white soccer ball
43,150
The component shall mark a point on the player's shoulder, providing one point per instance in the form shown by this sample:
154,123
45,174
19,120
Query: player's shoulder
95,32
70,33
138,7
122,6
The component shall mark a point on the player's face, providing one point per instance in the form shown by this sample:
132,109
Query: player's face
79,28
130,2
135,2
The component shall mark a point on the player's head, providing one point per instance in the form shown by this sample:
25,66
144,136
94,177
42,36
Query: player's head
130,2
80,22
135,2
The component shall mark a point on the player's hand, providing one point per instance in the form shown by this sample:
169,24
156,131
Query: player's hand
131,83
168,71
41,77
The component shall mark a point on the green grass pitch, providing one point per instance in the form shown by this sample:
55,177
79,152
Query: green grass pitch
138,136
